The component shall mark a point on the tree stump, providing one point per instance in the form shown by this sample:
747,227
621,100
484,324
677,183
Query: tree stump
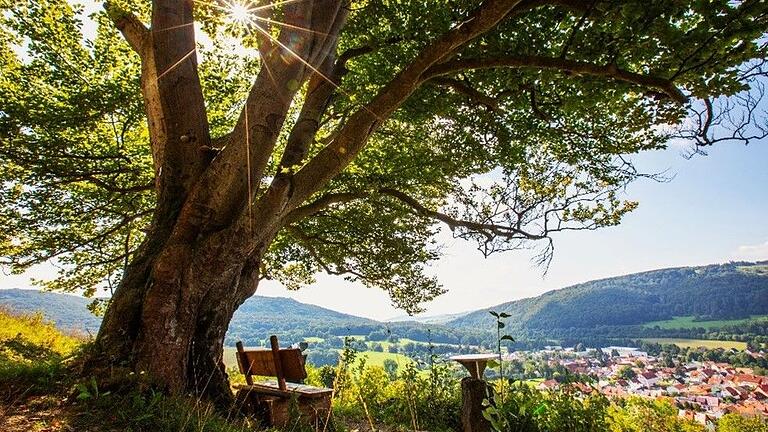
473,391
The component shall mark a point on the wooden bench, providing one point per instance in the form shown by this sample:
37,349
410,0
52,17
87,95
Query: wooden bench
273,398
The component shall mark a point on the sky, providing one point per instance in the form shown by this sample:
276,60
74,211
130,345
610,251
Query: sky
713,210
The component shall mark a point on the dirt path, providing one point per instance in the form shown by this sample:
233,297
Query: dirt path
36,414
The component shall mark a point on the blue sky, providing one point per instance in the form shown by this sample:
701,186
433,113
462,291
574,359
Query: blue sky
714,210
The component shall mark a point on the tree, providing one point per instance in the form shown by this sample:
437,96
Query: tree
736,422
390,366
626,372
333,137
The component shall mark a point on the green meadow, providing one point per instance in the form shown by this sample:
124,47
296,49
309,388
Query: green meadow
696,343
689,322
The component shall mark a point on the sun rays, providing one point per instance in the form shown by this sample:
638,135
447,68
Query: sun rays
250,18
245,16
240,14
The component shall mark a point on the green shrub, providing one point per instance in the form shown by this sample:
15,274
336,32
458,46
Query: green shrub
737,423
525,409
635,414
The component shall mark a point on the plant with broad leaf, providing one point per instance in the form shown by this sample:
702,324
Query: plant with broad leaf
499,339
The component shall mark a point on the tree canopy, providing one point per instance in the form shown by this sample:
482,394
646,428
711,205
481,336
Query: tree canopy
519,124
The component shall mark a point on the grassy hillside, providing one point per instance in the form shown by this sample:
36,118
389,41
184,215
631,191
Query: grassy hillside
715,292
20,330
689,322
68,312
698,343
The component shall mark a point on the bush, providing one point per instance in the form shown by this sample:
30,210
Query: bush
519,407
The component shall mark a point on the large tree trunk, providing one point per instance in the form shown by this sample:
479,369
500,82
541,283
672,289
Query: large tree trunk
169,316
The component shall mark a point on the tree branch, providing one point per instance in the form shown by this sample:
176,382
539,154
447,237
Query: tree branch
306,241
488,230
322,203
133,30
612,71
465,89
252,141
339,153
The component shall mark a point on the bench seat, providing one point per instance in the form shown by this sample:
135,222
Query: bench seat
273,388
274,398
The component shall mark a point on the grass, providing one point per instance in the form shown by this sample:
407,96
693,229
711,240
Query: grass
33,329
696,343
533,382
403,341
375,358
688,322
40,389
33,355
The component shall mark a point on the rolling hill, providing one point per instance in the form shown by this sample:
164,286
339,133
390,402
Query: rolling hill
660,303
258,315
68,312
715,292
253,322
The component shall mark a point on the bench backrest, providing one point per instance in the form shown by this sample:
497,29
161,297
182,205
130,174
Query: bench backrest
285,364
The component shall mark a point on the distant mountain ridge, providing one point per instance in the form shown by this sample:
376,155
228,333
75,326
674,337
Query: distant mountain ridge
720,291
614,307
253,322
428,319
70,311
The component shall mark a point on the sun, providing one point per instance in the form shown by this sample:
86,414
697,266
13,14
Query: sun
240,13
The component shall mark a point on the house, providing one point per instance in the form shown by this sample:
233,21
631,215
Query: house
548,385
748,380
761,392
676,389
648,379
734,392
710,401
634,385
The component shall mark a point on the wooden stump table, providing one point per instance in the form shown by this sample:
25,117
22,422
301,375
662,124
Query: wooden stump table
473,390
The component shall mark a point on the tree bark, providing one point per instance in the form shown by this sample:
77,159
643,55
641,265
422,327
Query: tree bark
170,314
473,392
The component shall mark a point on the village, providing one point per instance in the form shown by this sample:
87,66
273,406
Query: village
703,391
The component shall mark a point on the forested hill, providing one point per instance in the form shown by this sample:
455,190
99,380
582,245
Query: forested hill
727,291
69,312
253,322
607,308
257,314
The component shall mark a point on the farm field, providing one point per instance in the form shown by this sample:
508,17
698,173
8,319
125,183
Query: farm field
375,358
688,322
695,343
